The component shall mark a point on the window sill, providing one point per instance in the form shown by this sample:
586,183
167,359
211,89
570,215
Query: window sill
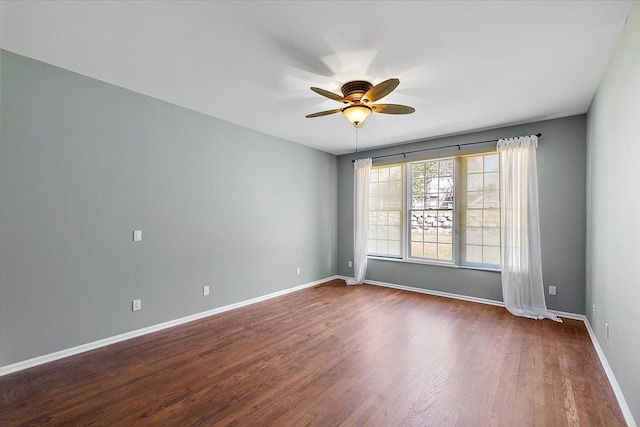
432,263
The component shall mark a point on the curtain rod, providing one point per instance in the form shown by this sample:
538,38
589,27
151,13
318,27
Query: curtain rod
437,148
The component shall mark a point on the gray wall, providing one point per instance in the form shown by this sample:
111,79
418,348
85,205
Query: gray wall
561,178
613,212
84,163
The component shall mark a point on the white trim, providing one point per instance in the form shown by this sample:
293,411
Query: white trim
432,262
30,363
626,411
436,293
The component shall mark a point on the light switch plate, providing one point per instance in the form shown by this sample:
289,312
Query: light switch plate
137,235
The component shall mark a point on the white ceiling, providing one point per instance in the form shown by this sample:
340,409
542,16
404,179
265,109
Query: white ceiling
464,66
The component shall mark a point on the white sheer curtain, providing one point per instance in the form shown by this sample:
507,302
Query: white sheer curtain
361,220
522,286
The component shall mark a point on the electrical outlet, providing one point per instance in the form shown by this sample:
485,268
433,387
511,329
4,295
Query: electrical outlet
593,309
606,329
552,290
136,305
298,270
205,290
350,264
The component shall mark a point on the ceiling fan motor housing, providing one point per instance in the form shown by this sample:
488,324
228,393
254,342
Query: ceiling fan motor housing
353,91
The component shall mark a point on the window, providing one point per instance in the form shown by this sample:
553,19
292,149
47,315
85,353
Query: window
441,210
385,211
431,212
480,205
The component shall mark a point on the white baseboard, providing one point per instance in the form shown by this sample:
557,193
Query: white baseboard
603,360
457,296
626,411
30,363
436,293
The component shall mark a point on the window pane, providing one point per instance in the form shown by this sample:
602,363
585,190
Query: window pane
491,218
444,252
417,219
395,173
491,199
431,250
492,163
446,185
474,218
417,202
394,248
395,188
491,255
394,232
444,235
382,232
373,233
491,237
474,164
431,201
446,167
383,218
395,202
417,187
491,181
431,169
417,249
431,235
431,185
475,199
374,203
474,236
445,218
373,218
383,188
394,217
474,182
474,254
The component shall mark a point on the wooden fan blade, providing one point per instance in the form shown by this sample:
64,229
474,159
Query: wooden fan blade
330,95
323,113
380,90
392,109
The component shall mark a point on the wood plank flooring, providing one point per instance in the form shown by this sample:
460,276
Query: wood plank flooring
326,356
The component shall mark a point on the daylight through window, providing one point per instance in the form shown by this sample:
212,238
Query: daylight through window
439,210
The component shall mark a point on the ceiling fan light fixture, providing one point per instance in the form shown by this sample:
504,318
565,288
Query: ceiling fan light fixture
357,114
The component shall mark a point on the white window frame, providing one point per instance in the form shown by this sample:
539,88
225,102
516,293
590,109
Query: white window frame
456,261
408,176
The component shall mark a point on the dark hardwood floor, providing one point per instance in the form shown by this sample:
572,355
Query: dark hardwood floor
330,355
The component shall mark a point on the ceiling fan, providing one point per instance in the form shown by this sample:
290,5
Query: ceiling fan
360,95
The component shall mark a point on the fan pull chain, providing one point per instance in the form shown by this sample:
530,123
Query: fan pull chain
356,140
